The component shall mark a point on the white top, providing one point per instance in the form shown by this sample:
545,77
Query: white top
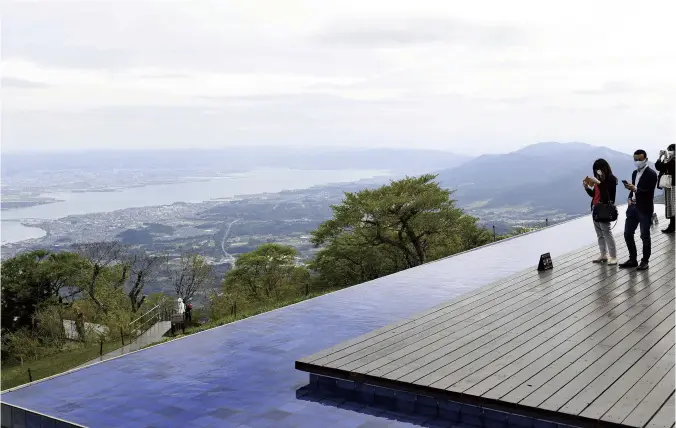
639,173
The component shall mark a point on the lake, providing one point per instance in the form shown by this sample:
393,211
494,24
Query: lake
253,182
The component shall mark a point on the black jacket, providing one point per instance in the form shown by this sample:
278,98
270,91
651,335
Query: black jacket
608,190
645,190
665,168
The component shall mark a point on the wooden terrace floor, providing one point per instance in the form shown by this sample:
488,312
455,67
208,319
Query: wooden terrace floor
589,343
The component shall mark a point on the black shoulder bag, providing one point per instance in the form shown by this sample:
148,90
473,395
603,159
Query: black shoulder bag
605,212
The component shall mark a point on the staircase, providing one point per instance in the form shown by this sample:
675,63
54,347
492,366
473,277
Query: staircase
151,327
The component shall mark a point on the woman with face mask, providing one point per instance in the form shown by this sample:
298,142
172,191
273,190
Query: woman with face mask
665,181
603,188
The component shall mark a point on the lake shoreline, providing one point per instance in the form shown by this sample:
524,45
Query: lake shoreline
214,190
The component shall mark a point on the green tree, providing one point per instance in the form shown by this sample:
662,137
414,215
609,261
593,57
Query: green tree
35,279
22,344
264,273
350,259
401,225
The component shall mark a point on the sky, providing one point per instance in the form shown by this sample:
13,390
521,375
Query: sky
471,77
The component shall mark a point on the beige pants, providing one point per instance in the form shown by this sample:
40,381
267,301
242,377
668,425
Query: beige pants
606,239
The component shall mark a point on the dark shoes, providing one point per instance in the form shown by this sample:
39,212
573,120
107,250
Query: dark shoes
634,264
670,228
628,264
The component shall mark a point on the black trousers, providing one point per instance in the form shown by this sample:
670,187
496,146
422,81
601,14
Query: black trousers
636,219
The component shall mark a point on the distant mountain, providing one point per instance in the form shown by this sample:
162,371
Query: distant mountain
542,177
237,159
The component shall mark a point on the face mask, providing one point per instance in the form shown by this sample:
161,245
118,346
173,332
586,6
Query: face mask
599,173
640,164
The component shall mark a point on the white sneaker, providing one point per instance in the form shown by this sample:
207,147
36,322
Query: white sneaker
612,261
600,259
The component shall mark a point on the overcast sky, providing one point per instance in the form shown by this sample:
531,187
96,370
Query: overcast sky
480,76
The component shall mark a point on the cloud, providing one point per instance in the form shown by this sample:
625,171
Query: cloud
610,88
10,82
391,33
481,75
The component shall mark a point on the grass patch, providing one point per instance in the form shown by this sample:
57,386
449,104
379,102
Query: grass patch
17,374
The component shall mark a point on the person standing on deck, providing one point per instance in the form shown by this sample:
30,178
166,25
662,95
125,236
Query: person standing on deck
640,210
665,165
603,189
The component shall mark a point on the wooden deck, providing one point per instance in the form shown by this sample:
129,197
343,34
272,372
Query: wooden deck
582,344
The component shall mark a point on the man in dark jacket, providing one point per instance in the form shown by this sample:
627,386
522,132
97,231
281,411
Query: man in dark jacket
640,210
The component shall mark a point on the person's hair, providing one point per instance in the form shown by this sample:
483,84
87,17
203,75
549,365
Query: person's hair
671,147
640,152
604,166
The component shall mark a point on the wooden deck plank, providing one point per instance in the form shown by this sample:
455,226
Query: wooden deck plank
625,405
665,416
422,355
583,352
445,317
483,365
570,381
652,403
496,290
503,377
472,317
371,350
636,361
543,327
622,387
582,340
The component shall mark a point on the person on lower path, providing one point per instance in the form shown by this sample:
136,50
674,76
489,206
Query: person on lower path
665,181
640,210
603,188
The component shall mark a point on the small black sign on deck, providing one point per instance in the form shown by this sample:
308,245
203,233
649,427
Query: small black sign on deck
545,262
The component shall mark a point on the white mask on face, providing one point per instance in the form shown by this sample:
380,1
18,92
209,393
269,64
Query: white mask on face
640,164
599,173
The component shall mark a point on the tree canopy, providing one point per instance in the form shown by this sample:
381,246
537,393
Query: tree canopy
35,279
264,273
398,226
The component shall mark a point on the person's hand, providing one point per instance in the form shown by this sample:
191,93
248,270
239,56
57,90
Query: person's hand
631,187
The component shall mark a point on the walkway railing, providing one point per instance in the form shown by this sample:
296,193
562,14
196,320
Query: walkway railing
145,321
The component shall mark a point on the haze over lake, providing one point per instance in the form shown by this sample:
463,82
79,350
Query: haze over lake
253,182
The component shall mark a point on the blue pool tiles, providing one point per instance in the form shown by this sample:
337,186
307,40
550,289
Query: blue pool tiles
242,374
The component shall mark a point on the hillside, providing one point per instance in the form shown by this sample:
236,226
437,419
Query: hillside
544,177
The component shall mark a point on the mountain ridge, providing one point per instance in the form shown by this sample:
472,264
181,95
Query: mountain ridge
539,177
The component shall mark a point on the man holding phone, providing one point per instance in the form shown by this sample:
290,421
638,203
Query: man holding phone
640,210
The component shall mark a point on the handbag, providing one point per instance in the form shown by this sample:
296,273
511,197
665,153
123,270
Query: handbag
665,182
604,213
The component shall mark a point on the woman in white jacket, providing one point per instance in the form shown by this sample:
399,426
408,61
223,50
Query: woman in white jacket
181,306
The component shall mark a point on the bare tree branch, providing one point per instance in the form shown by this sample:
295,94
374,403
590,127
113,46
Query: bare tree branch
142,268
189,274
101,255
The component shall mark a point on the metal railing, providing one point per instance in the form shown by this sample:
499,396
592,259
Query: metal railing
145,321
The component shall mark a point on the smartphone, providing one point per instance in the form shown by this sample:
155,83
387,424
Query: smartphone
625,182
